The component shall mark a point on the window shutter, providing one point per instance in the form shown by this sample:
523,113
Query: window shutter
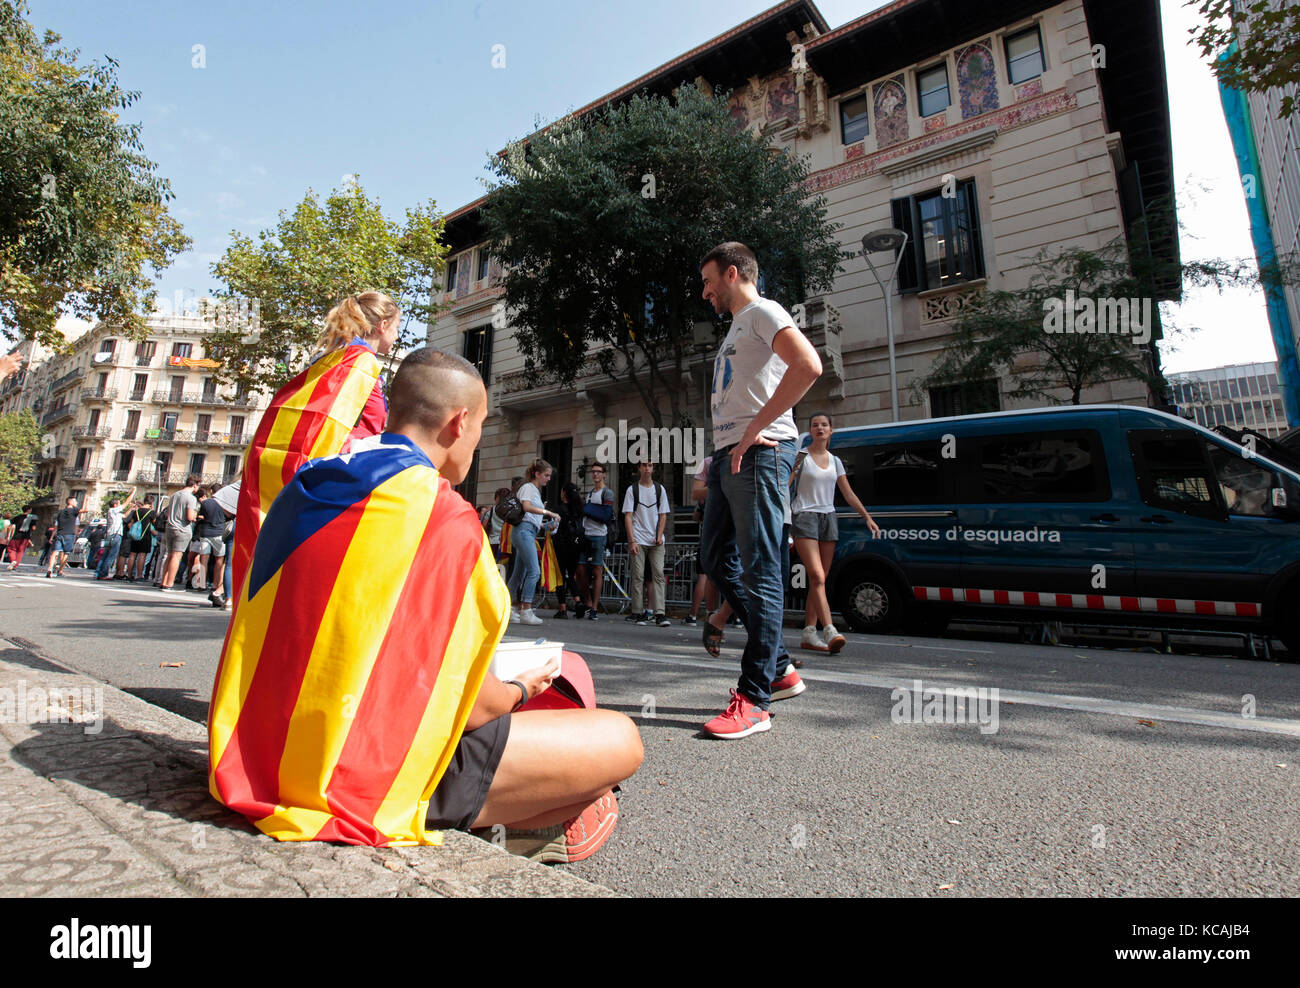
903,211
973,212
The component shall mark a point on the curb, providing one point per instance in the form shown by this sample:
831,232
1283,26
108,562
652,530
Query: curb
126,812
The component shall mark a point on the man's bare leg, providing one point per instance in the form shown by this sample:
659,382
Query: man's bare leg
173,564
556,763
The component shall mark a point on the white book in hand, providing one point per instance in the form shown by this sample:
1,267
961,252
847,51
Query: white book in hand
512,658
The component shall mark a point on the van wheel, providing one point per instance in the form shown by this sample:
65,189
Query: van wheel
869,601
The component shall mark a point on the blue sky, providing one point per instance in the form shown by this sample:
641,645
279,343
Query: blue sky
296,95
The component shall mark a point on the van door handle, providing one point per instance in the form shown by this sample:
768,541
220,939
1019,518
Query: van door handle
1106,517
1158,519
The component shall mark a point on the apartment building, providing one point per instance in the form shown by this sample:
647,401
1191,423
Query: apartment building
986,131
1240,396
118,413
1268,155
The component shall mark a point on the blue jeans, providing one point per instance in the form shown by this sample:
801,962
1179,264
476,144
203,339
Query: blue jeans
230,558
741,551
526,570
112,546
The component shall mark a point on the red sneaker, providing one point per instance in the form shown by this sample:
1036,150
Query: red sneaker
791,684
741,719
567,842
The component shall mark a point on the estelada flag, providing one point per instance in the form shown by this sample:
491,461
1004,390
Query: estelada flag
313,415
355,651
552,575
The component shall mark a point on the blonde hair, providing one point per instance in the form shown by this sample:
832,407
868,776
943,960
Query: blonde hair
357,315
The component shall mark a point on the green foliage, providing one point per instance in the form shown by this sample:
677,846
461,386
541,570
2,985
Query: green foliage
317,255
20,444
1266,53
601,223
1007,330
81,210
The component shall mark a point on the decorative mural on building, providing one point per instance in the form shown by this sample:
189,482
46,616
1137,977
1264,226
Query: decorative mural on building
737,105
1034,87
890,99
977,80
782,100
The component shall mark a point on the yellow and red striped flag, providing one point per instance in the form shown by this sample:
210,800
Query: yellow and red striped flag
552,575
311,416
355,651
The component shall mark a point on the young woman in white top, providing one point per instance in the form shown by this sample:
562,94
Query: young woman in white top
817,475
526,569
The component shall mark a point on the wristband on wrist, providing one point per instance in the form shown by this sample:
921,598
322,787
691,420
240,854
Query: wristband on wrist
523,691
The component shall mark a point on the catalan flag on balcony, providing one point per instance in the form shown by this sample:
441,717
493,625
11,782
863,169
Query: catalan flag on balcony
355,651
314,415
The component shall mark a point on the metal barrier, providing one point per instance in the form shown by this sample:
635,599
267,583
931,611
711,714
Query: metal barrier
681,567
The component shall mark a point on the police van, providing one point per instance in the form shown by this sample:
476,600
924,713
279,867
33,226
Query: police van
1092,513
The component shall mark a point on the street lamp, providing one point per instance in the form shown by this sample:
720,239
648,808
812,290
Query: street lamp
877,242
158,465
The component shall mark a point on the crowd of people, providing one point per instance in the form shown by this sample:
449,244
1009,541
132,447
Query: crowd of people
399,727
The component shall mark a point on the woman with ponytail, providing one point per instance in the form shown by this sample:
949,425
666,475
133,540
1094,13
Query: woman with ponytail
336,400
526,569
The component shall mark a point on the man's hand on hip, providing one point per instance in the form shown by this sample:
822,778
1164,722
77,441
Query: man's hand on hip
747,440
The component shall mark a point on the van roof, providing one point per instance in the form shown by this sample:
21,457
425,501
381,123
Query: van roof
1155,417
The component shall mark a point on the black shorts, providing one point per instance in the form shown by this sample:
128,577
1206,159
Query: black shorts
463,789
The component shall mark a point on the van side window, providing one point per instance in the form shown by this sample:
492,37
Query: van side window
1173,473
910,473
1244,484
1043,468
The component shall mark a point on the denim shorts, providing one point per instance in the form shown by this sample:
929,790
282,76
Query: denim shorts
64,543
819,525
593,550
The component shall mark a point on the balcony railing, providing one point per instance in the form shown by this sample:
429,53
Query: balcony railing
120,475
59,453
140,395
86,432
164,396
82,473
99,394
58,415
68,378
144,361
130,433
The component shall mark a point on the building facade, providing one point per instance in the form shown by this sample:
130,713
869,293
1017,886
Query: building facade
1241,396
1268,156
118,413
985,131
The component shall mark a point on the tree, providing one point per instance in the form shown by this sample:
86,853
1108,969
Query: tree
20,444
1084,318
278,288
82,211
1251,46
601,222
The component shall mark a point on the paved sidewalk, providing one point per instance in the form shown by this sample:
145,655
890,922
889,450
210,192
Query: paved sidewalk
126,812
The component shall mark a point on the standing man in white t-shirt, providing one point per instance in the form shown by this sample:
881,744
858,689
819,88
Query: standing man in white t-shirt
763,367
645,514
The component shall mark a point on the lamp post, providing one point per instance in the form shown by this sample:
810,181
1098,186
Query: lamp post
873,243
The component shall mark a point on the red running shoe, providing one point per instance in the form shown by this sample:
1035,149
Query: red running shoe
791,684
566,842
741,719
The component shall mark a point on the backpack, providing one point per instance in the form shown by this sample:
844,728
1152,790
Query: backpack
636,500
510,510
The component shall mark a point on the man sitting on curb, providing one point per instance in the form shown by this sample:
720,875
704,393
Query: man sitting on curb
353,701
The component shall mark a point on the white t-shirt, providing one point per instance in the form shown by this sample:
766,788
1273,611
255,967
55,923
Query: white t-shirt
590,526
529,494
816,490
747,372
640,501
114,522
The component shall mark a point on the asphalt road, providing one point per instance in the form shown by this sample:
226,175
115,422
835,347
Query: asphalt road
1110,772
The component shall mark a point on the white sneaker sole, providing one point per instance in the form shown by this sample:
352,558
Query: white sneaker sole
815,648
835,644
794,690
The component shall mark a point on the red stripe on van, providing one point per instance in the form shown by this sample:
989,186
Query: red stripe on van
919,593
1064,600
1130,604
1096,601
945,593
1206,607
1247,610
1166,606
1001,597
972,596
1031,598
